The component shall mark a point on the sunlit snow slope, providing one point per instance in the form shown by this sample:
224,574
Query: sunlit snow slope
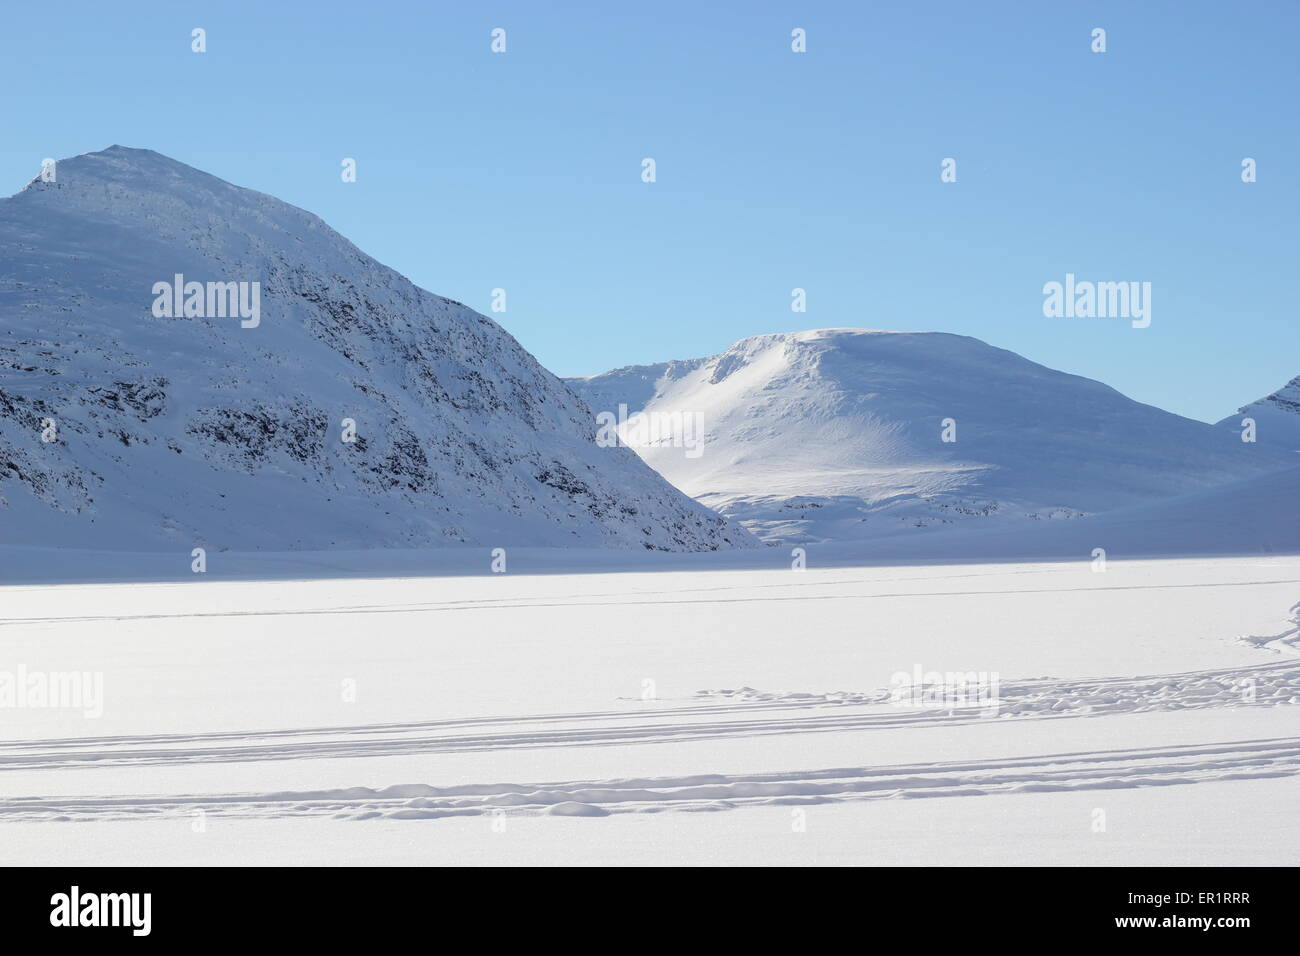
836,434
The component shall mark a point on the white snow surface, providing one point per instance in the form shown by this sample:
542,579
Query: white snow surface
837,434
677,714
186,432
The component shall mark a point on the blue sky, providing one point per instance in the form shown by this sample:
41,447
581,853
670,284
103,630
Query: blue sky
775,170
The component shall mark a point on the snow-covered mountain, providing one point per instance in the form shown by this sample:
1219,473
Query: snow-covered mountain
1277,417
137,416
849,433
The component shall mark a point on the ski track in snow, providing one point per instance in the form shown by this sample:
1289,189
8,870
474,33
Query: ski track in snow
624,599
1105,770
714,715
718,714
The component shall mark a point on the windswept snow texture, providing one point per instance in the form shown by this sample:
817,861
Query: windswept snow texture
837,434
733,717
1259,515
179,432
1276,416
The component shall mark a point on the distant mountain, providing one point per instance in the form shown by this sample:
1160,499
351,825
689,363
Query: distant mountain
839,433
1277,417
184,362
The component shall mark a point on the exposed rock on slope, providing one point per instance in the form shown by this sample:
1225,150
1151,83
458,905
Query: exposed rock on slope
228,430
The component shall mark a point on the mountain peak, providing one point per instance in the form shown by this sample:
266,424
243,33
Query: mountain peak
123,183
125,164
167,203
831,334
1276,416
